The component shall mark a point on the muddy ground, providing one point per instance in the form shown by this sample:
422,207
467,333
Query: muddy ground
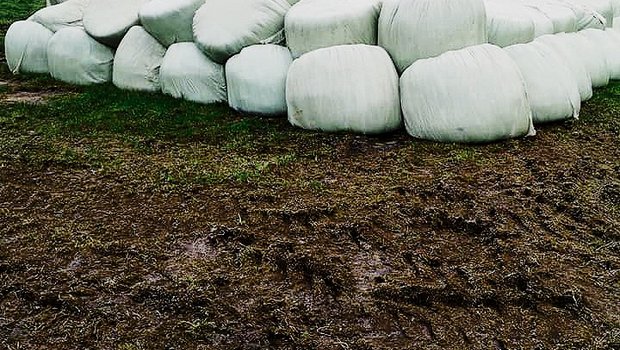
340,242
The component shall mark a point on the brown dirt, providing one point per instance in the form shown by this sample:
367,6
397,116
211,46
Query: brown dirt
394,244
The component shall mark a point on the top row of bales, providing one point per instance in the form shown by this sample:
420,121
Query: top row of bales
348,65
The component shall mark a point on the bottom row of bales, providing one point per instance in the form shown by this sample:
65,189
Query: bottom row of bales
481,93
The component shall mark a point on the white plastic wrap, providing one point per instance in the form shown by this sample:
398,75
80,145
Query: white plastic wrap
518,9
505,28
476,94
187,73
256,79
414,29
608,41
592,57
64,15
75,57
344,88
587,17
603,8
223,27
109,20
314,24
551,89
563,18
137,61
170,21
25,47
616,6
576,66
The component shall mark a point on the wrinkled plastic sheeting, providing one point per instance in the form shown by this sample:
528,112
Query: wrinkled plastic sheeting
587,17
507,22
170,21
551,89
609,43
315,24
603,8
64,15
562,17
109,20
344,88
222,28
616,6
592,57
415,29
137,61
472,95
25,47
187,73
557,43
256,79
505,28
75,57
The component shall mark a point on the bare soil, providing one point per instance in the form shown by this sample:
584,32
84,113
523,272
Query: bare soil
362,243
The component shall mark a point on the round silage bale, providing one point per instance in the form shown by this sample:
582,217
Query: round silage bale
187,73
591,55
137,61
223,27
344,88
314,24
64,15
608,41
256,79
25,47
563,18
551,89
558,43
75,57
603,8
476,94
505,28
415,29
109,20
170,21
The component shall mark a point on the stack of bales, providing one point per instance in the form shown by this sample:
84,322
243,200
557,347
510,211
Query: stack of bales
448,70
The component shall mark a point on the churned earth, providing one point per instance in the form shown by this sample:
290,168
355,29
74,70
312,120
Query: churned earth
136,221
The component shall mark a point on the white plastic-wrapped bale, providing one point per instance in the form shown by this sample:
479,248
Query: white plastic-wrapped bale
564,19
75,57
137,61
223,27
476,94
25,47
542,24
187,73
504,28
314,24
585,15
344,88
66,14
109,20
609,44
600,7
576,66
551,89
170,21
591,55
414,29
616,6
256,79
